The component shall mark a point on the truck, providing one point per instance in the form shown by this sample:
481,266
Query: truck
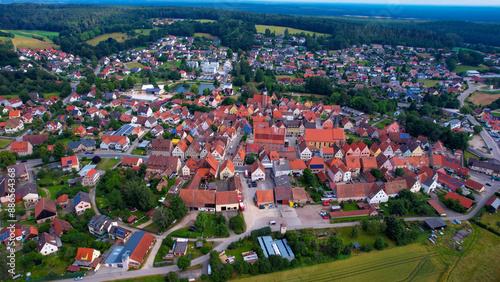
246,173
242,207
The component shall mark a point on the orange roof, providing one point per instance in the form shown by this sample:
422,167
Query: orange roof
18,147
297,164
69,161
467,203
369,162
130,160
352,162
226,197
142,248
107,139
264,196
62,199
229,164
324,135
85,254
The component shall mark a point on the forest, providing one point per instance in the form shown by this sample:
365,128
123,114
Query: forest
77,23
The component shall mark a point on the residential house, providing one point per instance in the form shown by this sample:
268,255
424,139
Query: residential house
113,142
23,148
45,210
226,201
13,125
226,169
85,257
198,200
47,244
70,163
20,172
60,227
258,171
82,202
161,147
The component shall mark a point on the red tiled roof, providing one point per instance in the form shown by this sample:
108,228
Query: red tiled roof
467,203
142,248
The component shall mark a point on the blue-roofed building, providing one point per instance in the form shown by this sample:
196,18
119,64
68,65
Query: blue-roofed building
278,247
132,254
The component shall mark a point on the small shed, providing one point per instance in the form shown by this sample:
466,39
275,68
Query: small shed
73,268
356,246
199,244
435,223
131,218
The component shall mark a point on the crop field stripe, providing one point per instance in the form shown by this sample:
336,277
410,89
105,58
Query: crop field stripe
417,269
365,268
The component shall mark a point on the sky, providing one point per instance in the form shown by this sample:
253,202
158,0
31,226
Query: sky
398,2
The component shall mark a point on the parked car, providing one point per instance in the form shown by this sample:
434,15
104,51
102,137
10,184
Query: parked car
78,278
488,184
325,217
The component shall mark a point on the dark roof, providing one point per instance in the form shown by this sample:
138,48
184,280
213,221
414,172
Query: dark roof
36,139
283,193
81,197
434,223
27,189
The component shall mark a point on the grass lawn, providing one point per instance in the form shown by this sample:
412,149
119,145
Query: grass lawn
363,238
201,34
491,220
54,189
464,68
185,233
468,155
429,82
412,262
138,152
52,94
135,65
43,33
247,246
5,142
351,207
49,178
106,164
118,36
141,221
281,30
152,278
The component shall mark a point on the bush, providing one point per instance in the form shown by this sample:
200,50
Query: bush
206,249
96,159
380,244
366,248
237,223
261,232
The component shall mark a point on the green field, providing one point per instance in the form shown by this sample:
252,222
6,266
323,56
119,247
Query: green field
480,261
135,65
24,39
106,164
205,21
464,68
468,155
464,49
152,278
281,30
491,220
429,82
412,262
4,142
118,36
201,34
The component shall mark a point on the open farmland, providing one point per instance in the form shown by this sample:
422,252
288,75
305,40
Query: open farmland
205,21
281,30
118,36
412,262
483,98
24,39
201,34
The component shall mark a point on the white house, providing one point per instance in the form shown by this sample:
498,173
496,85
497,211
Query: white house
47,244
258,171
429,185
377,196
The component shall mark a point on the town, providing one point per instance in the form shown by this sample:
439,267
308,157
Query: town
163,158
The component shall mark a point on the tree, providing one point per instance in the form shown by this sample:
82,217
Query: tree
477,129
355,231
214,127
178,208
59,150
6,159
96,159
195,89
201,220
309,177
380,243
366,248
300,248
377,173
162,218
259,75
229,53
70,152
221,229
171,277
334,246
237,222
250,159
95,132
183,263
400,172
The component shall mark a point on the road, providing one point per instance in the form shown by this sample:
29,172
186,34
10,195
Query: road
467,92
495,153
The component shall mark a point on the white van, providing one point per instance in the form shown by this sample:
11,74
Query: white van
272,222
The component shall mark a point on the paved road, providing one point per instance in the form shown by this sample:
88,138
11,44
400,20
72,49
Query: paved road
467,92
487,139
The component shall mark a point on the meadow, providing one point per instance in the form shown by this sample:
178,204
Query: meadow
281,30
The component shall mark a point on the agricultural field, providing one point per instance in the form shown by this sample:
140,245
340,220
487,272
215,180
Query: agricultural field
24,39
281,30
483,98
464,68
207,35
414,261
480,261
152,278
205,21
118,36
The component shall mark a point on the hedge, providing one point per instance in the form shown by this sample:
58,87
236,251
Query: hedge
480,224
261,232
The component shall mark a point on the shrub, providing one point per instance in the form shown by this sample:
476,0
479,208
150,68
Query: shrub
261,232
96,159
206,249
366,248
